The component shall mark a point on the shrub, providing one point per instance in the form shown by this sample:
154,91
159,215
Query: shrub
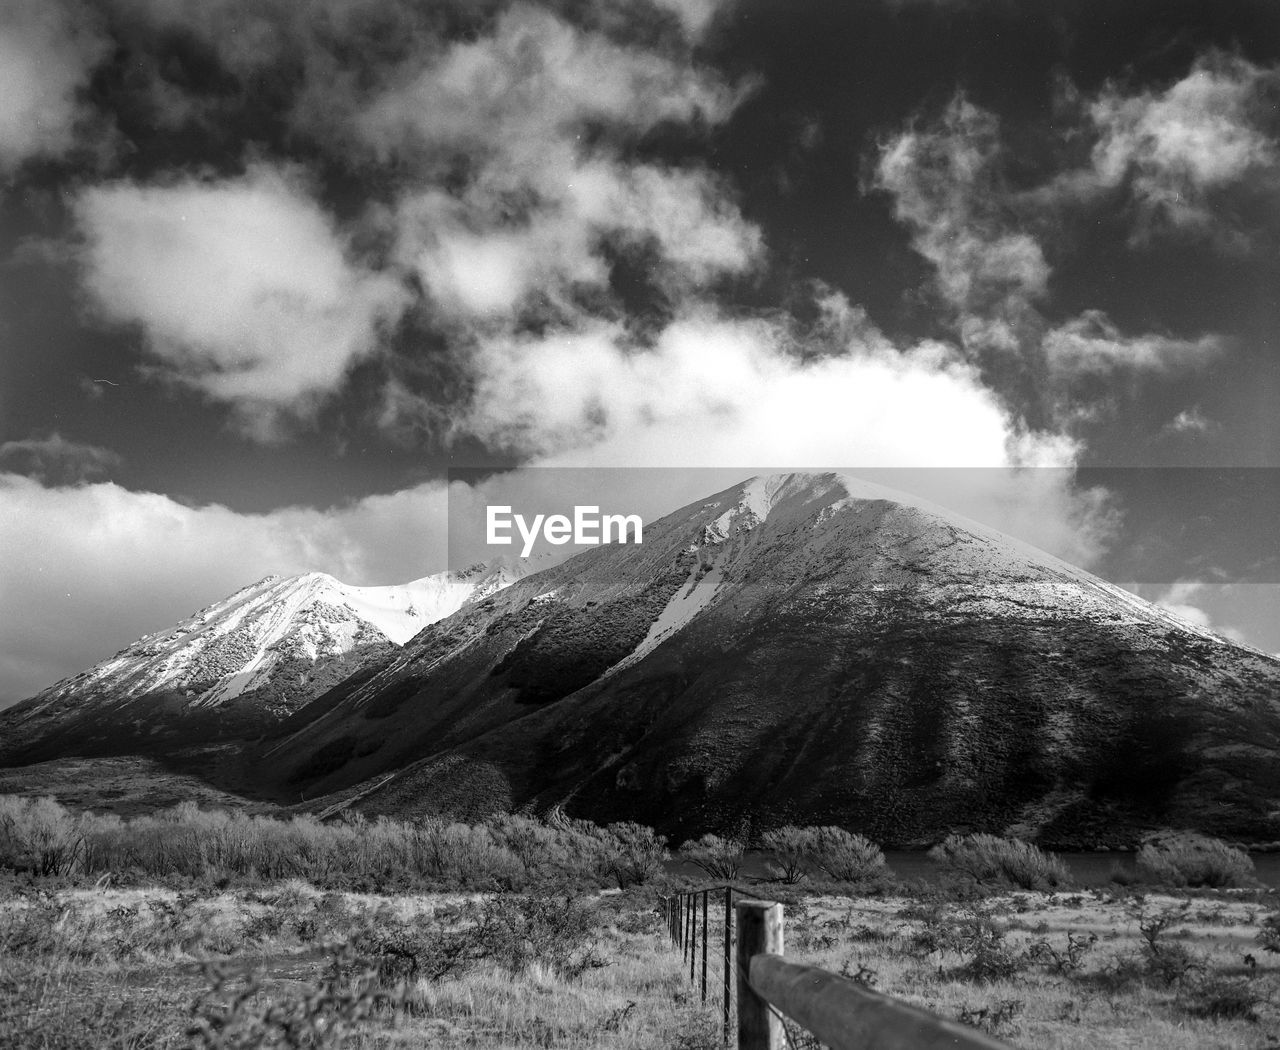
843,855
328,1013
991,860
790,847
1190,859
38,835
1221,998
974,937
559,933
720,858
1168,963
409,951
1269,935
1066,960
631,854
186,844
993,1018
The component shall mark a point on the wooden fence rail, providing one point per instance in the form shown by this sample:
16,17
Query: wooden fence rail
840,1013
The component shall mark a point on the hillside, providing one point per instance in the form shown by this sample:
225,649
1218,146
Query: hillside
811,648
237,667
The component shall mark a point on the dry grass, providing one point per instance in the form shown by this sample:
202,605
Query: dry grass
141,968
1108,992
134,968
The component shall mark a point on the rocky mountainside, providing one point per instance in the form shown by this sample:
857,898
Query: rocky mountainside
238,666
809,648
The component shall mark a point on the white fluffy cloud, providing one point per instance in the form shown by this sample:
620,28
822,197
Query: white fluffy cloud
244,288
1178,146
101,565
523,107
945,182
991,271
47,52
1205,604
711,389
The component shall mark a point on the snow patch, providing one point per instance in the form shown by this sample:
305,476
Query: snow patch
692,597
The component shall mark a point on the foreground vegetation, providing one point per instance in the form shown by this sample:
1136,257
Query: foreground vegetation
213,930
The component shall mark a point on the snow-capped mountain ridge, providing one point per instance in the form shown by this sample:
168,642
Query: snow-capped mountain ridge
811,647
762,496
271,634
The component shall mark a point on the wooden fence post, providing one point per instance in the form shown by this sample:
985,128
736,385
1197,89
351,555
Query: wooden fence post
759,932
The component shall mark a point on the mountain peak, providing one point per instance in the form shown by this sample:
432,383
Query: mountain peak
267,649
813,647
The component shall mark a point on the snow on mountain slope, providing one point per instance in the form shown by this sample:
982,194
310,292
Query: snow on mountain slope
270,638
808,648
983,556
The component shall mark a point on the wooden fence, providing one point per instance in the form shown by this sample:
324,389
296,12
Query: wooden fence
840,1013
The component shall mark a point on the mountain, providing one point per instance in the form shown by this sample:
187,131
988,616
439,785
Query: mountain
810,648
239,666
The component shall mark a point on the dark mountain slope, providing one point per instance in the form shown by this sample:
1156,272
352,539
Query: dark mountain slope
802,648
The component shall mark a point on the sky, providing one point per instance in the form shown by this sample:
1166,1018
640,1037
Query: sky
270,270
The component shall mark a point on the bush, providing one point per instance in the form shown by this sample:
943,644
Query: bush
558,933
1167,962
720,858
971,935
40,836
1269,935
631,854
186,844
991,860
843,855
1191,859
329,1013
1066,960
791,852
1221,998
402,950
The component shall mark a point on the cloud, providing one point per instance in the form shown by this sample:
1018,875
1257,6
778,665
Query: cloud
1092,344
695,15
1187,599
1190,421
511,187
54,460
102,566
945,179
986,241
244,288
535,115
711,388
1175,148
47,52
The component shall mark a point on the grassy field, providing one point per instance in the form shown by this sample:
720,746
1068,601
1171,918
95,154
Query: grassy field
288,965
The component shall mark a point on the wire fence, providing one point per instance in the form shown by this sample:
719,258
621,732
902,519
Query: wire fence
700,923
